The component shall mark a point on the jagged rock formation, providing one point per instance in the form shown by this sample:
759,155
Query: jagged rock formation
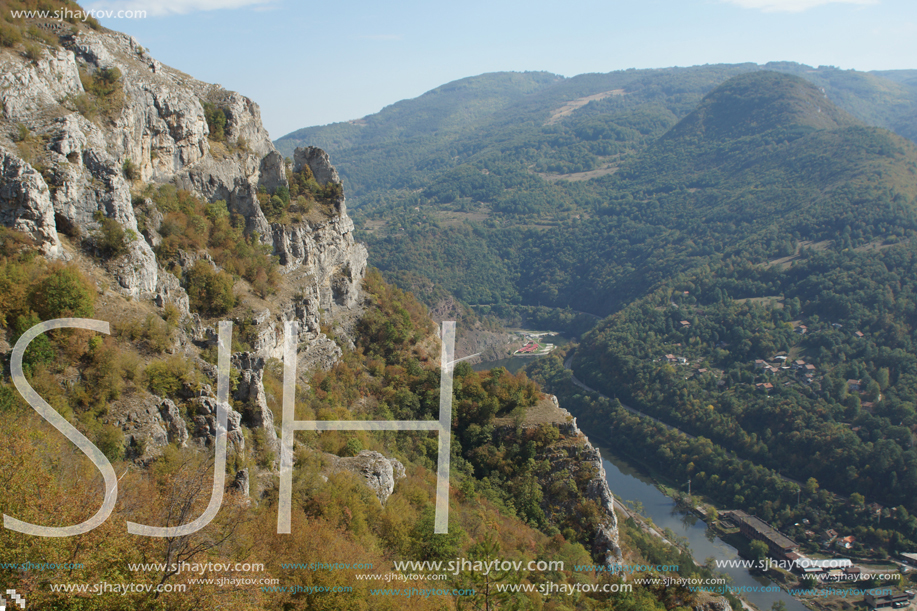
318,161
160,130
578,458
174,425
251,391
65,165
606,547
25,203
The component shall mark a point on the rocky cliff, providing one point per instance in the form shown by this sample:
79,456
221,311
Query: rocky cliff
86,124
583,461
574,478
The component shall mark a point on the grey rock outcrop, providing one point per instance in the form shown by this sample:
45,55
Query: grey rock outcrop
25,203
606,546
257,414
71,160
241,482
29,87
137,270
160,131
174,423
159,128
577,458
318,162
379,473
169,290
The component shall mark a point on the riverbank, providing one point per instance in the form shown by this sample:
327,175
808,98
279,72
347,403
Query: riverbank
631,483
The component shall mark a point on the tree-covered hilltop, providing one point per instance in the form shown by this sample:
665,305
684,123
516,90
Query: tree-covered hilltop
553,124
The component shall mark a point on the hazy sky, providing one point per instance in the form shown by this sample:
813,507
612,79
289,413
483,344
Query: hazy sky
312,63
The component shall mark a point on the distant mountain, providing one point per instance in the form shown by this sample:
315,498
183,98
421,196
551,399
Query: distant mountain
764,163
559,124
757,102
568,197
387,149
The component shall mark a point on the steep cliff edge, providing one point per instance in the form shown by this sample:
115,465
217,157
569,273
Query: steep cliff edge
87,126
575,489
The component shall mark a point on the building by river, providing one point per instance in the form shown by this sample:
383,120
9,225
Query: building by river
757,529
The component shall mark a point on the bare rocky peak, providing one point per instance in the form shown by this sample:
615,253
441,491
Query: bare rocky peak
77,164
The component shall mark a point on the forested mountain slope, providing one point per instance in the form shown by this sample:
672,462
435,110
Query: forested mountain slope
761,163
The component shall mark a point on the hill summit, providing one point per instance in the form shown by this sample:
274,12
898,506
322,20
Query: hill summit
756,102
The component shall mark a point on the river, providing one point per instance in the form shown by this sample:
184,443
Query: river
629,485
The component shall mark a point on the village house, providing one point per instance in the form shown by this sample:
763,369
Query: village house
845,542
880,601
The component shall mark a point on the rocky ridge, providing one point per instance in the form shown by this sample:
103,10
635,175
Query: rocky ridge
574,458
582,455
66,165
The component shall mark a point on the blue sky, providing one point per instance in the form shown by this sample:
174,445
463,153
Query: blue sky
318,62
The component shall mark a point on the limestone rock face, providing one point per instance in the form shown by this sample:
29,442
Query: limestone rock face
329,253
318,161
606,537
578,455
379,473
158,127
169,290
25,203
137,271
70,162
26,87
175,426
251,391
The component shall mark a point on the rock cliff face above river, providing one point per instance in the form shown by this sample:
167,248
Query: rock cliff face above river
86,124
